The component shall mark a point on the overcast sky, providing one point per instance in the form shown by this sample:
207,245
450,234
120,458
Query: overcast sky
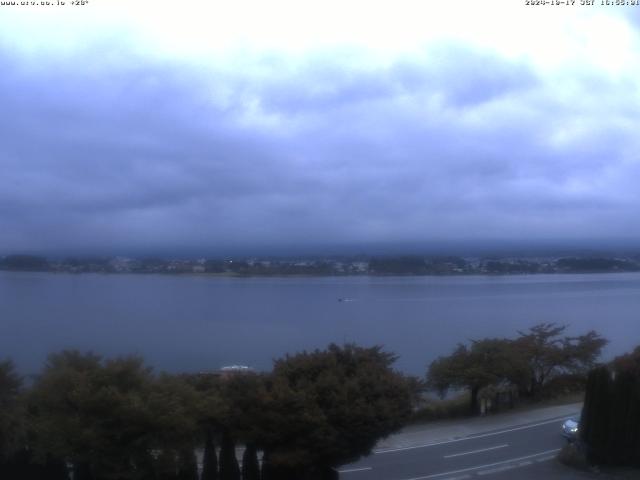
202,124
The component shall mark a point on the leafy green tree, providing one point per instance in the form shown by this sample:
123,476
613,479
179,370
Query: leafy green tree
329,407
211,412
529,362
174,431
17,459
172,402
241,421
629,362
548,354
483,363
243,402
93,413
107,417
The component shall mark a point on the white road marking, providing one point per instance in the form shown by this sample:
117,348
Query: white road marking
473,437
545,459
480,467
461,477
497,470
476,451
350,470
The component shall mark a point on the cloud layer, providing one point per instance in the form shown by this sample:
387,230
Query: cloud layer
107,147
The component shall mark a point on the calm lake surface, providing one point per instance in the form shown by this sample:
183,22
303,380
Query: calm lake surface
191,323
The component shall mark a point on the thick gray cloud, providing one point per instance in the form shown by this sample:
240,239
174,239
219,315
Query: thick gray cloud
108,150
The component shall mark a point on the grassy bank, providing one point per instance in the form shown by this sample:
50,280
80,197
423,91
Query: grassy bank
434,409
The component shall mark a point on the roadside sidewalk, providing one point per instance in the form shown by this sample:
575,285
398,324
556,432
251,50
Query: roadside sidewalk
447,430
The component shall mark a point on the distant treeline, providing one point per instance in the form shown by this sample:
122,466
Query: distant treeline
412,265
596,265
24,263
383,265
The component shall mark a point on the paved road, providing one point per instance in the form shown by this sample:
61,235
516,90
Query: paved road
487,455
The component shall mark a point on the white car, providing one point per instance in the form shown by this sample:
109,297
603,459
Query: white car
570,428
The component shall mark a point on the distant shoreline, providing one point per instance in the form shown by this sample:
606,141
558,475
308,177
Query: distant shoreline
308,275
410,266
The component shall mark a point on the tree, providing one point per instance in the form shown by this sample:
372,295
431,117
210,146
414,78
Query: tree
485,362
17,457
528,362
594,421
166,465
624,426
241,406
243,397
250,465
629,362
610,422
187,465
172,402
10,418
229,469
329,407
23,465
108,416
209,459
174,430
93,413
547,354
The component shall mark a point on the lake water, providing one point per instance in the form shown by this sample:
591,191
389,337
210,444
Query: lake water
191,323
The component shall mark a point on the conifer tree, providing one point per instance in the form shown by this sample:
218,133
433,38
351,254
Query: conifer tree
55,469
621,432
229,469
250,466
167,467
11,416
595,415
210,460
625,414
82,471
187,465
